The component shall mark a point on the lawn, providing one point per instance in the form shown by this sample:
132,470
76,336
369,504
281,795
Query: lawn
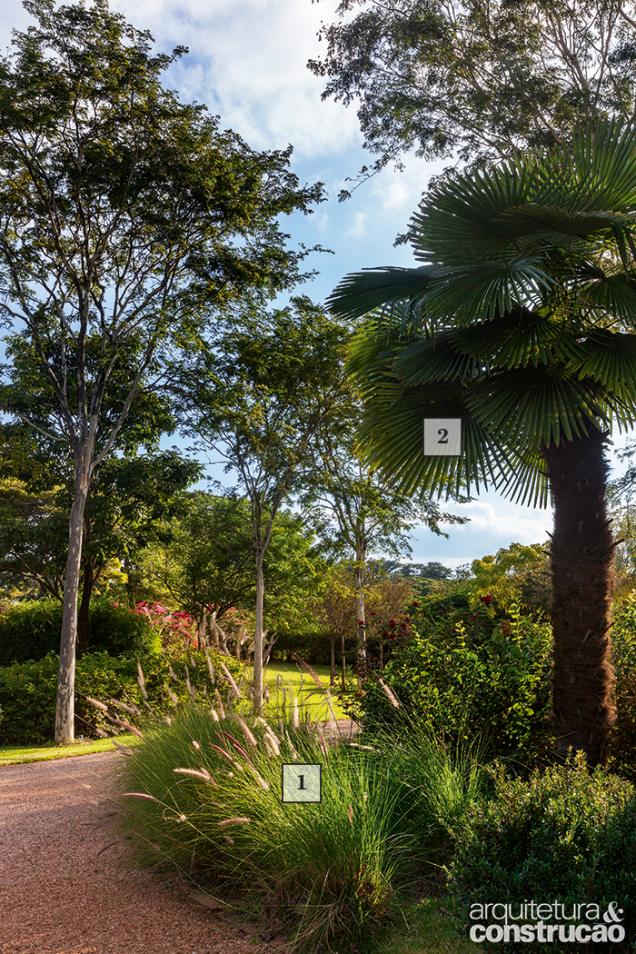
286,681
15,754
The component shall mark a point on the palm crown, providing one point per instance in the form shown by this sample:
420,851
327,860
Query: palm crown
518,321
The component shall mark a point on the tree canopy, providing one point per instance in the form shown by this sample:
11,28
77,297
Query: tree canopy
478,79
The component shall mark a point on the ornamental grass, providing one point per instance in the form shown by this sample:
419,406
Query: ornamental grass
202,794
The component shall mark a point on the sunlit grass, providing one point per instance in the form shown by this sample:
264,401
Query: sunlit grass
288,683
15,754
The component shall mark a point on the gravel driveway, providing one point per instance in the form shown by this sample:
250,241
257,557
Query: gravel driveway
58,895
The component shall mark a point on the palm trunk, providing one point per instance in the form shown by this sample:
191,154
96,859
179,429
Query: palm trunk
65,701
582,574
258,636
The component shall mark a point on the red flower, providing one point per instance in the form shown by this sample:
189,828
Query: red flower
486,599
414,603
361,622
372,613
391,623
390,635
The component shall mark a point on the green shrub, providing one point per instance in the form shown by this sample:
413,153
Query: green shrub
31,629
623,733
28,691
566,836
468,670
332,873
314,648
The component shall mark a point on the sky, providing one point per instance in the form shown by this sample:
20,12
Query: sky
247,62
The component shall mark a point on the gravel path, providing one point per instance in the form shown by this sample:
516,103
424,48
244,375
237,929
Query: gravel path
59,895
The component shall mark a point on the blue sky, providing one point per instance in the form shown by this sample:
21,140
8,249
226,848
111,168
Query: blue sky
247,63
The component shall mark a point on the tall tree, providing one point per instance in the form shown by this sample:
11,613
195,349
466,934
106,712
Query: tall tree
521,322
126,217
360,512
257,398
478,78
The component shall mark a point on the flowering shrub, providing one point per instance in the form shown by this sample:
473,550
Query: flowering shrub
178,630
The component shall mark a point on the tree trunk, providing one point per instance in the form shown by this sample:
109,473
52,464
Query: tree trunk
344,665
65,701
361,644
258,636
332,677
582,574
82,616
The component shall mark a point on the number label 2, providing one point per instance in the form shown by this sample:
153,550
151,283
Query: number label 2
443,437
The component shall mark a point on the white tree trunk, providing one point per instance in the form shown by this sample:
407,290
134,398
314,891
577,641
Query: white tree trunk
361,646
258,636
65,701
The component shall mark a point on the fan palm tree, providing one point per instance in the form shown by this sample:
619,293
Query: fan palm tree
521,320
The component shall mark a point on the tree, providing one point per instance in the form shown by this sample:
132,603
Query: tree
126,218
478,79
360,511
521,322
516,574
204,559
335,612
257,397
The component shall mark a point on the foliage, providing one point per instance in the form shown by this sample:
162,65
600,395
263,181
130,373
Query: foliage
623,738
566,835
460,669
28,691
203,561
332,873
31,629
127,500
477,80
515,575
504,315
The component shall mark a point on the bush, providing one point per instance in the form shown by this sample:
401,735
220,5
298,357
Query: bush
566,836
334,872
314,648
31,630
28,691
623,733
468,670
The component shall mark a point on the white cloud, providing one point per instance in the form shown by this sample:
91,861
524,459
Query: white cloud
518,524
359,225
248,62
